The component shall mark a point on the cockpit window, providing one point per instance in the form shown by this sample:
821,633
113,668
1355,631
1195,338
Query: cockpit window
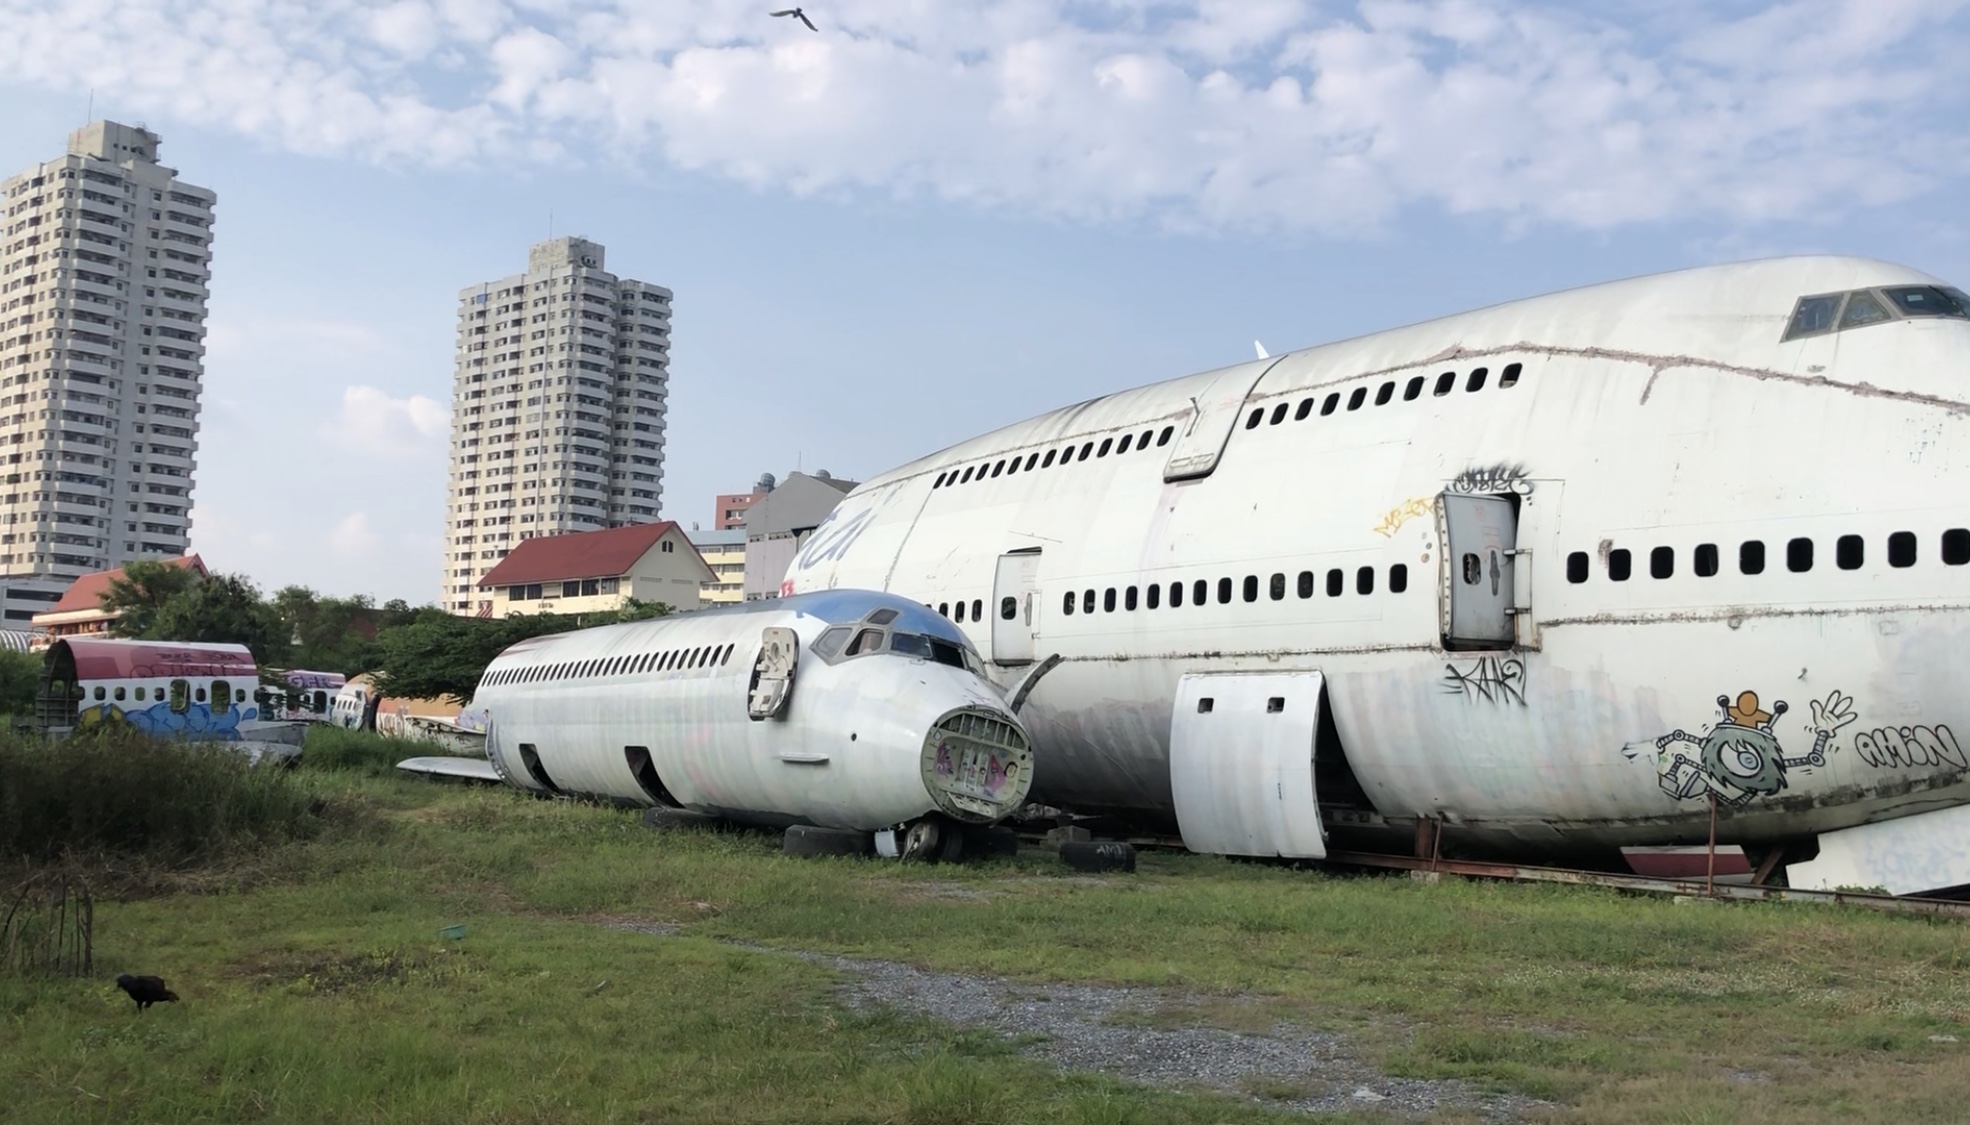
865,642
1928,300
1837,312
828,643
1814,316
1862,308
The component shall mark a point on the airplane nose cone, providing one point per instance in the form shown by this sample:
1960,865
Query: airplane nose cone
977,764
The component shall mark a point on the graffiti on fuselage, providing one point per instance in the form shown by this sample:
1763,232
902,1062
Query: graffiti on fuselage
1740,758
1489,679
1915,746
197,721
1491,480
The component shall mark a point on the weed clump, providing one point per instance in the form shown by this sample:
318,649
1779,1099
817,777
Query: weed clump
358,751
121,793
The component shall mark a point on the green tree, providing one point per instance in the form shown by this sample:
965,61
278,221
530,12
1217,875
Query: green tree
224,609
328,634
141,593
20,681
438,655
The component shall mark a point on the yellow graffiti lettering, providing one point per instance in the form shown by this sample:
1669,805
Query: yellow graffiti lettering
1403,513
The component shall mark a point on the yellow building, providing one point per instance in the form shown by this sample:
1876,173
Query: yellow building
725,553
597,571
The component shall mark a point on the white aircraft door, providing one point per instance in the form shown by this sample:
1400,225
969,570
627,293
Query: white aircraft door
1479,534
1015,601
1241,763
1216,409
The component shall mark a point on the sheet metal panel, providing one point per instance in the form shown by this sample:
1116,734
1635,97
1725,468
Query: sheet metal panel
1241,764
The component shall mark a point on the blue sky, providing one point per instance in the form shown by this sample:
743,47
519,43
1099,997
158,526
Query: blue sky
927,220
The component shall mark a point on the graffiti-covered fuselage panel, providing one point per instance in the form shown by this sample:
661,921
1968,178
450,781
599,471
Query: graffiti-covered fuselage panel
1578,566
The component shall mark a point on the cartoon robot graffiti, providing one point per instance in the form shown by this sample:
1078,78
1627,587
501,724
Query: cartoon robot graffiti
1740,758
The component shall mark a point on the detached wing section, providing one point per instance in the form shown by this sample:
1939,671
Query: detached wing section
470,769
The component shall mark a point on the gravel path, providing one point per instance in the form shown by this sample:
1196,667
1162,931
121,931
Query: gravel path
1101,1028
1098,1028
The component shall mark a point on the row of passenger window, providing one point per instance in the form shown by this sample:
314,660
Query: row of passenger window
1054,457
1152,596
1849,553
670,660
1445,383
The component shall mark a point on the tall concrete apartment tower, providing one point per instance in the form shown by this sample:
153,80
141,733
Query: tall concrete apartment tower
557,409
104,265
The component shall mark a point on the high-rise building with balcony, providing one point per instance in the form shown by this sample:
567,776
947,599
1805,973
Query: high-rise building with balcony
104,265
557,410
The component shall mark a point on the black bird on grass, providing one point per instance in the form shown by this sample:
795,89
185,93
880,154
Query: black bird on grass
145,990
799,15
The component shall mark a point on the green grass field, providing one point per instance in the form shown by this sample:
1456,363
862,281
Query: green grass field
316,987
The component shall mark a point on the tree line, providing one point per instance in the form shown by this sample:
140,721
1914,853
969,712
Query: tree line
418,652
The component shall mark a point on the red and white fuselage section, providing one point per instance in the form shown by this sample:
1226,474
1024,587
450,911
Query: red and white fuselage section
1567,570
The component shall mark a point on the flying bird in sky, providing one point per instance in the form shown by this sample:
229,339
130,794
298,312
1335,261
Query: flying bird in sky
145,990
799,15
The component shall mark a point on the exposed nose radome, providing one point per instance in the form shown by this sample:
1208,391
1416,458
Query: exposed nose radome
977,764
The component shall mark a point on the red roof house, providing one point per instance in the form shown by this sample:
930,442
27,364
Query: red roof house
80,610
595,571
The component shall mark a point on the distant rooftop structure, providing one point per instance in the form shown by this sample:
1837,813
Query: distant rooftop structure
780,523
80,611
597,571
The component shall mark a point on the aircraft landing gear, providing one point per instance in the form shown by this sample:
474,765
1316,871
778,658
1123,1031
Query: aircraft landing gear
932,840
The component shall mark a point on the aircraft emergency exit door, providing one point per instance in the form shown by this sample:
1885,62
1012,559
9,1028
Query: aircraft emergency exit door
1479,535
1015,601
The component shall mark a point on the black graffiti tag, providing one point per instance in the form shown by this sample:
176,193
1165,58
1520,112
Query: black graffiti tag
1492,479
1910,746
1490,678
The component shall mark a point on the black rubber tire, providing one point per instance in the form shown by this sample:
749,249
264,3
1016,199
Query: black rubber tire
809,840
1098,855
663,819
993,842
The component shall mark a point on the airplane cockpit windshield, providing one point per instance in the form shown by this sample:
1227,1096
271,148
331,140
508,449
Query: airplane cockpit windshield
870,637
1837,312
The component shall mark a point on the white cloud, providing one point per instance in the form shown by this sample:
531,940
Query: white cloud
374,423
352,536
1226,114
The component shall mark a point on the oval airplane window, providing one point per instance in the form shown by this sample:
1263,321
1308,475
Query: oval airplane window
1012,466
1224,591
977,610
1473,570
966,476
1799,555
1277,587
1444,383
1364,580
1510,376
1956,546
1476,381
1128,598
1106,444
1251,587
1306,408
1032,459
1703,560
1398,578
1662,562
1576,567
1152,594
960,616
1901,549
1008,608
1357,398
999,468
1164,437
1122,446
1067,603
939,482
1413,390
1384,393
1200,592
1335,582
1849,551
1252,423
1048,463
1087,601
1108,600
1086,448
1328,404
1620,564
1279,414
1306,584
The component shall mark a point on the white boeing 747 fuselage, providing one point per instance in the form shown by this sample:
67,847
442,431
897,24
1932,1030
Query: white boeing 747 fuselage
1572,569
